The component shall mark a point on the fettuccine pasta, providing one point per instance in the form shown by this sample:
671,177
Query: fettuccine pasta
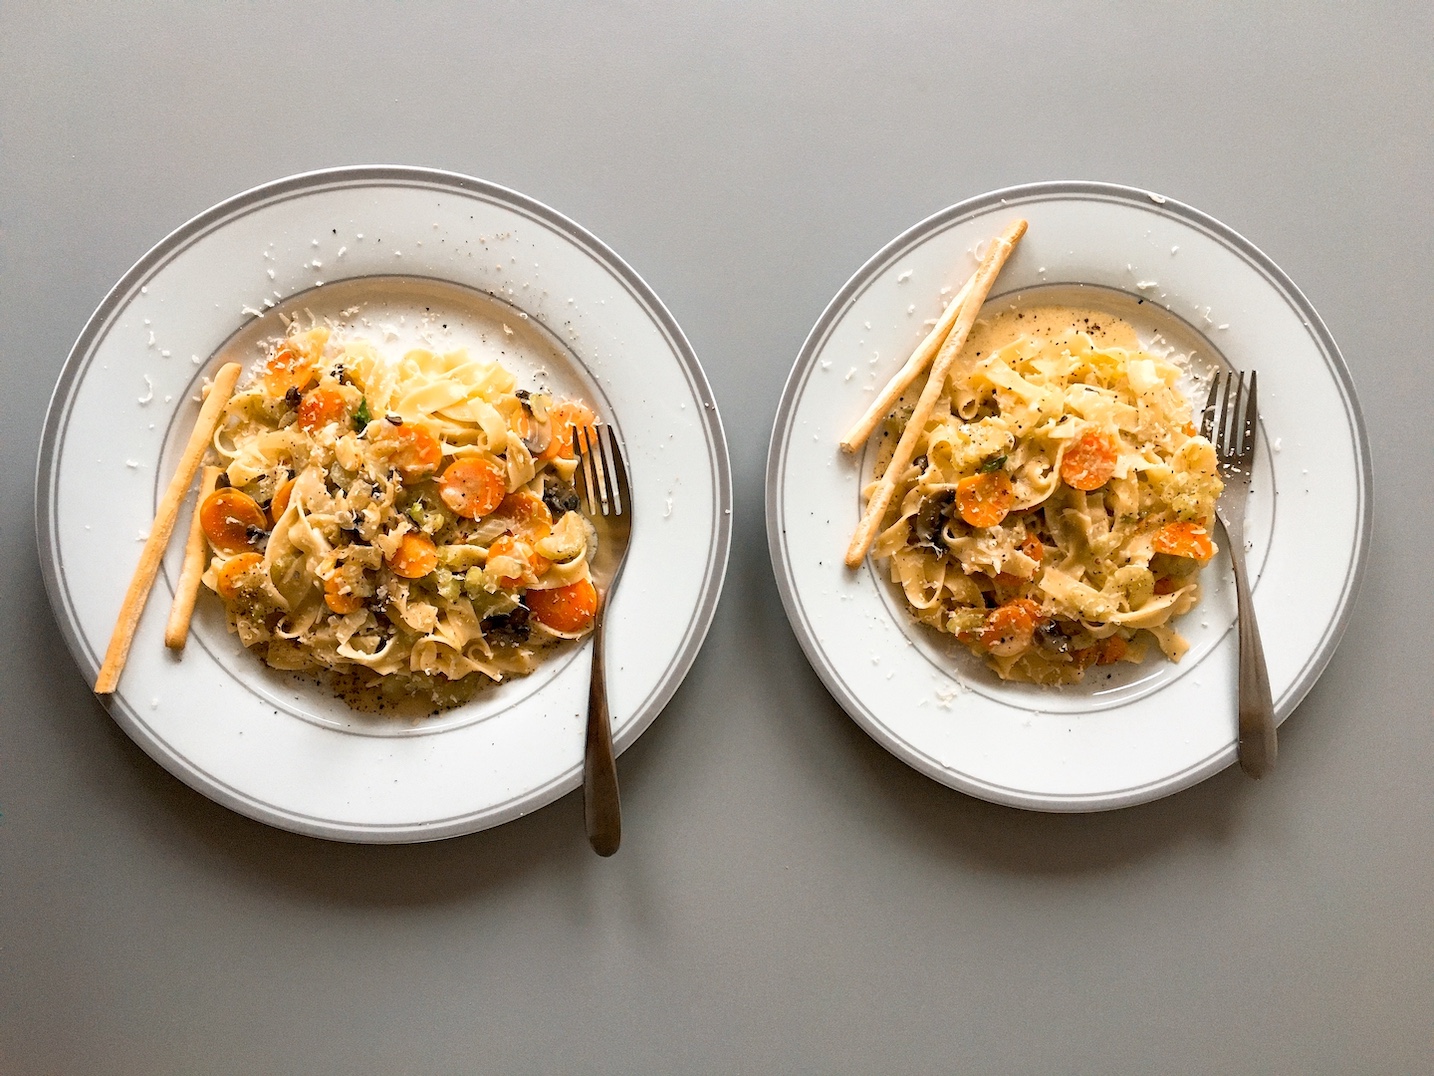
407,521
1057,513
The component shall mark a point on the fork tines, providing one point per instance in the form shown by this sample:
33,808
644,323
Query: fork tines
599,466
1230,416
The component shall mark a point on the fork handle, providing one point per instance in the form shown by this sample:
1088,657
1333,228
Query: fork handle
1257,742
602,809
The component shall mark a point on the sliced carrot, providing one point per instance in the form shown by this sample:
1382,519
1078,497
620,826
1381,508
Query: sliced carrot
1033,548
1110,650
506,546
473,486
984,499
229,577
412,448
1184,540
415,556
229,516
292,366
280,501
515,413
320,407
562,419
1089,461
566,609
1010,628
532,521
339,601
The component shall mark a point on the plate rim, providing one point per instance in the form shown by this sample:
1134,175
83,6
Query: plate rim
118,297
1012,197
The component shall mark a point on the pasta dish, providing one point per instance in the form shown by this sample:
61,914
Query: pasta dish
407,523
1056,508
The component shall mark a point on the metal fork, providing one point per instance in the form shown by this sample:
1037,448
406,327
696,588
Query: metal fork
607,495
1231,423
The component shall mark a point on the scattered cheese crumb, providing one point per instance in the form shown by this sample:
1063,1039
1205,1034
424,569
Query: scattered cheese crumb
1279,443
149,394
850,374
270,272
342,251
1158,199
164,354
904,277
131,463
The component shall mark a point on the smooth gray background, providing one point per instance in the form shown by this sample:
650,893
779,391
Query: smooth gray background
789,898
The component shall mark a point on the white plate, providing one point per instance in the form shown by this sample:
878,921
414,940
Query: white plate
471,257
1148,730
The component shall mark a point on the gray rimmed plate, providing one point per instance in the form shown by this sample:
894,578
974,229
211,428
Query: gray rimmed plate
1185,281
403,255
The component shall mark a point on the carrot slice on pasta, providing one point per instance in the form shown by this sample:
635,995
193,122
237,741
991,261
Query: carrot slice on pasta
340,601
566,609
1184,540
507,546
229,518
412,447
985,499
1089,461
321,407
562,419
229,578
280,502
1010,628
415,556
473,486
532,521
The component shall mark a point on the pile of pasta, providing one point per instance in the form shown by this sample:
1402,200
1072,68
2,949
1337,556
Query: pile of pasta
1055,514
408,522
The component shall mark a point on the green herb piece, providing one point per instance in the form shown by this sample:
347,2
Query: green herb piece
363,416
992,465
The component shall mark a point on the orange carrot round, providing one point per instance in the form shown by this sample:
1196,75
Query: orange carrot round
343,602
562,419
288,368
280,501
1110,650
984,499
532,521
1010,628
506,545
412,447
1089,461
229,576
566,609
1184,540
473,486
415,556
228,517
320,407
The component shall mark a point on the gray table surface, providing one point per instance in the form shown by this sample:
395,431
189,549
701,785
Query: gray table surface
789,897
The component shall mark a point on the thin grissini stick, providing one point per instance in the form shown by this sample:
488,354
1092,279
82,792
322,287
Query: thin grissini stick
196,551
164,518
919,360
991,265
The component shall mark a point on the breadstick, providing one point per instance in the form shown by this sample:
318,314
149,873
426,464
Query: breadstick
149,558
888,396
176,632
876,507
